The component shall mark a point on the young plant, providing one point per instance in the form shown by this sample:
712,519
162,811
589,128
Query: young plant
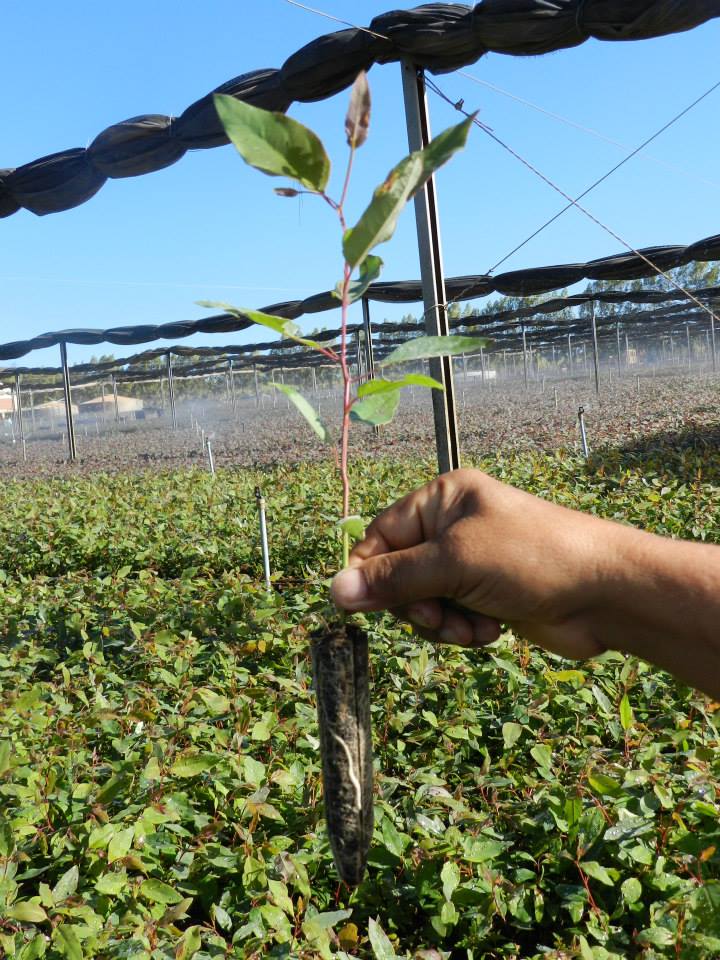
279,146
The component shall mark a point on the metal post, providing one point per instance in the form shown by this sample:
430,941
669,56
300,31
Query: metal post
596,360
211,461
263,537
369,355
482,366
102,399
687,332
617,337
233,395
19,409
257,386
171,390
72,453
431,272
627,351
314,379
115,399
570,358
32,411
583,434
525,360
712,341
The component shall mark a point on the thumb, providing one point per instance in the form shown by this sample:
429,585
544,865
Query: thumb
392,579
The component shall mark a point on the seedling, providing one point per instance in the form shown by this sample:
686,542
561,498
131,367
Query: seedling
281,147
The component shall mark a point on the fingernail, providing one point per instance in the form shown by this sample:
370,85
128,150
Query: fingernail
448,635
419,615
349,588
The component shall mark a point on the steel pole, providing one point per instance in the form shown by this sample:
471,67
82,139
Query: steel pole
596,361
367,325
257,386
525,359
67,395
171,390
233,395
712,341
570,358
19,408
431,272
115,399
617,337
687,332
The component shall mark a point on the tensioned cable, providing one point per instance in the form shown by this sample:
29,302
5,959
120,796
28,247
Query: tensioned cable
621,163
329,16
458,105
578,126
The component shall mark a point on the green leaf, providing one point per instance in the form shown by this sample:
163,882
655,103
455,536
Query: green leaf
66,940
370,270
631,890
604,785
382,948
305,408
357,121
706,908
656,937
112,884
542,755
280,896
189,944
353,526
444,146
422,348
386,386
480,851
66,885
26,912
273,143
120,844
33,950
595,870
191,765
288,328
450,876
377,408
5,750
314,926
377,224
7,843
216,703
158,892
626,714
511,734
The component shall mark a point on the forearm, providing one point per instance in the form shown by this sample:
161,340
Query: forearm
663,604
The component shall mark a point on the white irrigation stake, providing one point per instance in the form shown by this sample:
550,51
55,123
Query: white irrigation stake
263,537
555,395
211,461
583,434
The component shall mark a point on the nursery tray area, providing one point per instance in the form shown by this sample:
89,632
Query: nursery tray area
160,792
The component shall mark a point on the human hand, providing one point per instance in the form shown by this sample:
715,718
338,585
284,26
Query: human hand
464,553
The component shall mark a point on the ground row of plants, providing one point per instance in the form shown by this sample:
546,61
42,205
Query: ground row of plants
159,768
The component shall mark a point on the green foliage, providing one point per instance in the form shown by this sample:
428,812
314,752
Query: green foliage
305,408
377,224
273,143
422,348
159,770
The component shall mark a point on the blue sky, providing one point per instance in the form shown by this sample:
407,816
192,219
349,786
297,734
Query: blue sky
145,249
